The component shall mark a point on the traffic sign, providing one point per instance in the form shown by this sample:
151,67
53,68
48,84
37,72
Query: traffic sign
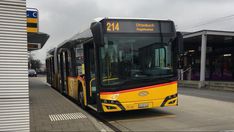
32,14
32,20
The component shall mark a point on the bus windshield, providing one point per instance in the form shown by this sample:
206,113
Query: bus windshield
133,58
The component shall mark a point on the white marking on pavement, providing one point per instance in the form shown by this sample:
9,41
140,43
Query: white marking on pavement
63,116
67,116
55,118
73,116
50,117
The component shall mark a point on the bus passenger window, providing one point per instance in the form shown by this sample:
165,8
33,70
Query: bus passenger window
160,57
79,52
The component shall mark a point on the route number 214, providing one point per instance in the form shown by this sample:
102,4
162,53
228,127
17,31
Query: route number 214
112,26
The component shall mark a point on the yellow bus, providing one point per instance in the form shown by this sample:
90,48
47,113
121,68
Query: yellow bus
118,64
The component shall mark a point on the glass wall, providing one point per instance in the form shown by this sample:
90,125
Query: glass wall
219,58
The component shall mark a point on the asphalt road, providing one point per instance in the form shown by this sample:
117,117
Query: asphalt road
210,94
198,110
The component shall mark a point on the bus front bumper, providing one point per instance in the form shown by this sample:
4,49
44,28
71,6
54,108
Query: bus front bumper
114,106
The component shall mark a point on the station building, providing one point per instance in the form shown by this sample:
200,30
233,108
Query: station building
208,59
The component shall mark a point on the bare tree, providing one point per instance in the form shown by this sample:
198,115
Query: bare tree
34,63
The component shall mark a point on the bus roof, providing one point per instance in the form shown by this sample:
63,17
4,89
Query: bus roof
128,18
99,19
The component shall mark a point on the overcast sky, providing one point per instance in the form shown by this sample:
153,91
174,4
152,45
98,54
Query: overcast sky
63,18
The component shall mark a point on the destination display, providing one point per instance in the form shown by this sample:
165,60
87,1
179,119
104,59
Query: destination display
136,26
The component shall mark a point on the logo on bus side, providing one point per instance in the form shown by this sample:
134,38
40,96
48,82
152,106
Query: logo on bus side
143,93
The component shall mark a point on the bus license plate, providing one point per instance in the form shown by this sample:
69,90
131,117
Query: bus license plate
143,105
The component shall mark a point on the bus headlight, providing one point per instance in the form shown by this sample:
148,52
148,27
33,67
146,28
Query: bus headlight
109,101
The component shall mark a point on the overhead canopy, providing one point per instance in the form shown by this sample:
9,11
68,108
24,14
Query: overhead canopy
37,40
210,54
217,39
208,32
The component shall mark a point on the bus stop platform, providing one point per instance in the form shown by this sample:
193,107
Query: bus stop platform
50,111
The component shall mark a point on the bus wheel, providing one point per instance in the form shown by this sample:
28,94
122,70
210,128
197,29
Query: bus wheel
81,99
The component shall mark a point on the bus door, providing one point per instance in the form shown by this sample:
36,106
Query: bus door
64,71
90,74
52,72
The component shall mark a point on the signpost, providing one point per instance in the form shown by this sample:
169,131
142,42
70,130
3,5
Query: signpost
32,20
36,39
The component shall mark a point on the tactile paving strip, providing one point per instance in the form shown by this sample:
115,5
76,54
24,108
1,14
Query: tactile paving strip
67,116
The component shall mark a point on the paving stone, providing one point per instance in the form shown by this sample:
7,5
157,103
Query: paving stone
45,101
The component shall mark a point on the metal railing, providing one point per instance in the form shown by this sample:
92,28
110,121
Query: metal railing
181,73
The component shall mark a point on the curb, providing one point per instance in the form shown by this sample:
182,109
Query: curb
99,125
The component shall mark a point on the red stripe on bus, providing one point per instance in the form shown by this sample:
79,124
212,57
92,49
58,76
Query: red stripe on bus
142,88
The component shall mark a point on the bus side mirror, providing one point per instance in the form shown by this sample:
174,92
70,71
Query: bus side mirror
177,51
96,29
